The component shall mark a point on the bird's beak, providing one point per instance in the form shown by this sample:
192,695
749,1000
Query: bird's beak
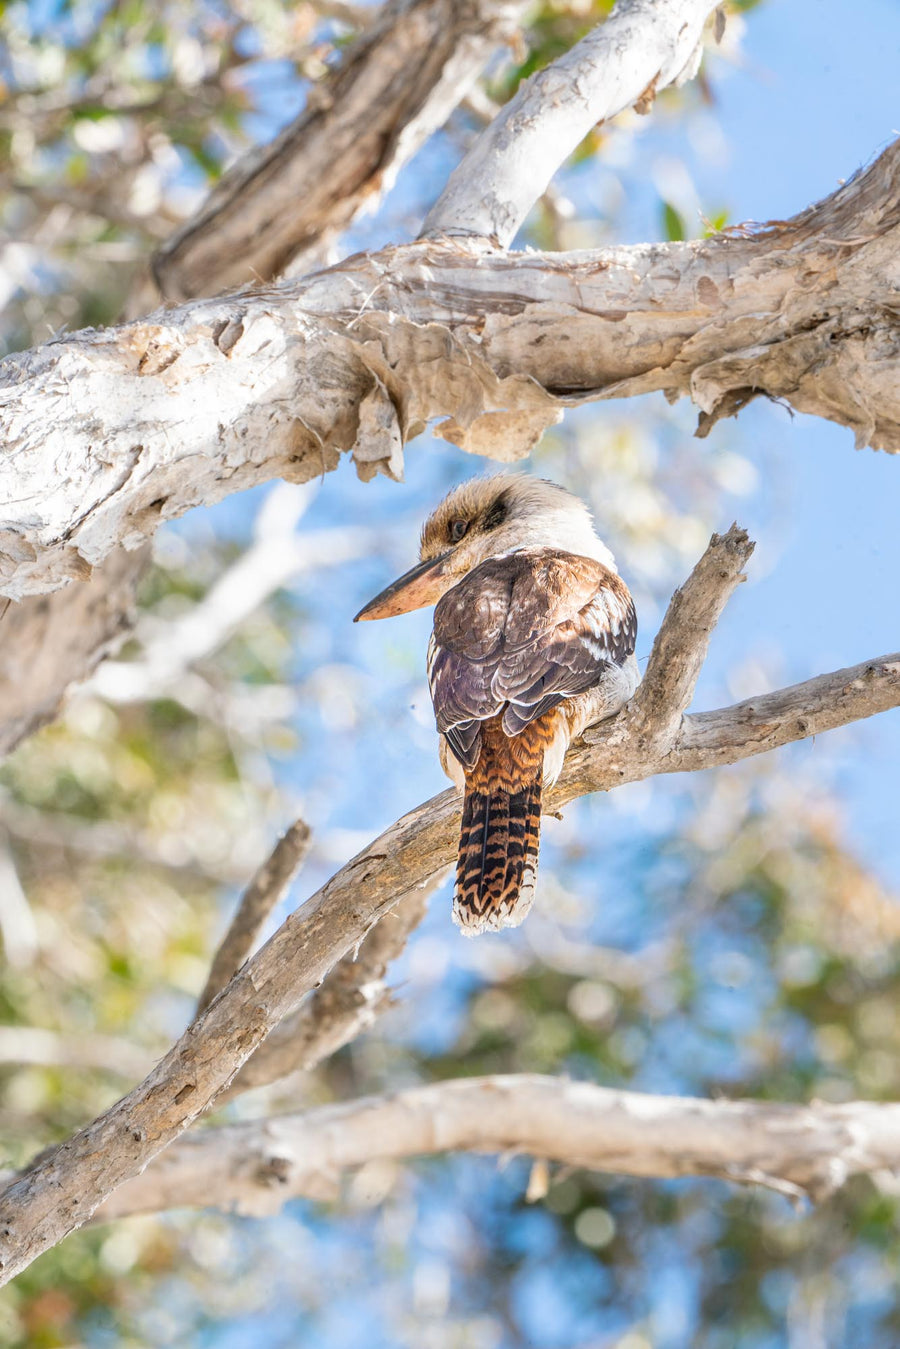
421,585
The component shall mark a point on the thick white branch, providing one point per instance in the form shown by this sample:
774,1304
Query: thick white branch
62,1188
258,1166
643,46
105,434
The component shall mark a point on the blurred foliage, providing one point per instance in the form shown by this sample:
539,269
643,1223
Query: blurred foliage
115,119
553,29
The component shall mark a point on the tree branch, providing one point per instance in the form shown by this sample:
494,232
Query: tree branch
683,639
50,1049
350,998
276,556
643,46
61,1189
258,1166
49,642
262,895
109,433
757,725
286,201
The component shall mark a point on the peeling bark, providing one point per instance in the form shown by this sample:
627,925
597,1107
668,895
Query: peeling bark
109,433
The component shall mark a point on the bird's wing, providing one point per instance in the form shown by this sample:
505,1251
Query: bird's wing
518,635
463,656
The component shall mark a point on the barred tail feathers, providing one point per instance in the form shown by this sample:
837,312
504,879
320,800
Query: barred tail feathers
498,856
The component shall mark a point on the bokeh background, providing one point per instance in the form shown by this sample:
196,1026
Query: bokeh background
728,933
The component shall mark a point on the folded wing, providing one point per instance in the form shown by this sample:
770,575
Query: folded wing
518,635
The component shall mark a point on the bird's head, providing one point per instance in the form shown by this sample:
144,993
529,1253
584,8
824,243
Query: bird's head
482,518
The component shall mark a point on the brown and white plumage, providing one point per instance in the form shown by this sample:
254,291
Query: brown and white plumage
533,640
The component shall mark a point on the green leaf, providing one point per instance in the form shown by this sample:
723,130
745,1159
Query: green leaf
673,224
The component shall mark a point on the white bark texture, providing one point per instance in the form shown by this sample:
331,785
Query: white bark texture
286,201
643,46
258,1166
108,433
64,1186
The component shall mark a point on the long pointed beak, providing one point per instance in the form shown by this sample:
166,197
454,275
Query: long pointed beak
421,585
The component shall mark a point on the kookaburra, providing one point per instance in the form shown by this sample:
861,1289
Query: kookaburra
533,640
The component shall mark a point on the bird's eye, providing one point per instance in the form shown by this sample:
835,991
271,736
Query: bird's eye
458,529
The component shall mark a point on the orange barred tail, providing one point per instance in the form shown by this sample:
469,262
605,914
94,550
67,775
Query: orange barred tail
498,857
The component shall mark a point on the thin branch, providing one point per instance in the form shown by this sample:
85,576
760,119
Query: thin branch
258,1166
683,639
758,725
273,560
729,734
288,200
62,1188
351,997
643,46
263,894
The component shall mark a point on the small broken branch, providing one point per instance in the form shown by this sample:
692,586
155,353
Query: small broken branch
683,639
263,894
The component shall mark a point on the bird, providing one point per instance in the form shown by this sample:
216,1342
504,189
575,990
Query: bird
533,640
